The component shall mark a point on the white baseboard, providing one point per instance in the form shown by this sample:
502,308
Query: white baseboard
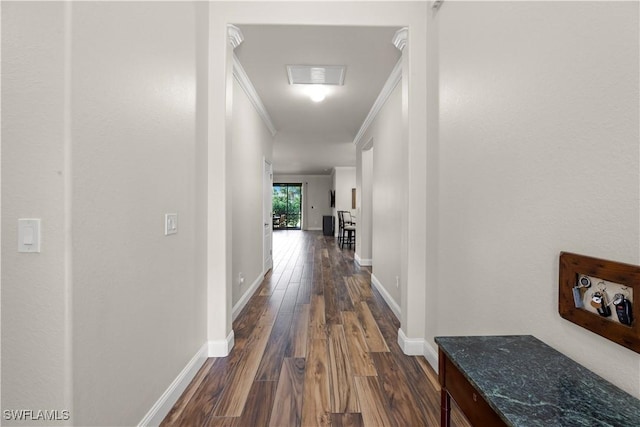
364,262
163,405
221,348
314,229
431,355
385,294
410,346
247,296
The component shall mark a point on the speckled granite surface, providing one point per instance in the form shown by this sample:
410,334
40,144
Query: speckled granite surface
530,384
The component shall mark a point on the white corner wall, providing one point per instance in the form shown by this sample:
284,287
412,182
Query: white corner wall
251,143
139,312
388,192
316,202
538,153
102,134
35,322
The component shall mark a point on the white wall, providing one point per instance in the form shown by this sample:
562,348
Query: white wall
388,192
35,327
139,313
129,155
538,153
316,203
251,143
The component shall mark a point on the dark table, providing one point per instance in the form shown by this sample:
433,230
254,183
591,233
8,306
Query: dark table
520,381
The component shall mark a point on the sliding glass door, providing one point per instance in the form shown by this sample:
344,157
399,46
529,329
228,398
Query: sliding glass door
287,206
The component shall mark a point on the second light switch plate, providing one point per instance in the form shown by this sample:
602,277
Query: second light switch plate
170,223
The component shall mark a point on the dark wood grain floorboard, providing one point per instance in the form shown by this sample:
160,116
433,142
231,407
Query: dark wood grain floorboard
287,405
257,409
315,345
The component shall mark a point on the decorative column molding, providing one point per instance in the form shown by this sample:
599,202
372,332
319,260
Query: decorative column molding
235,35
399,39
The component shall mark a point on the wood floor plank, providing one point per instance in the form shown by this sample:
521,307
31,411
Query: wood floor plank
174,414
372,403
304,292
220,422
403,406
257,410
270,283
301,326
234,398
316,404
347,420
353,289
287,405
308,383
290,297
276,348
430,373
200,406
363,282
358,350
343,392
331,312
420,388
372,335
317,324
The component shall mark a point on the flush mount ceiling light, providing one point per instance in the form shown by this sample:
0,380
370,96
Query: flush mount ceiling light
316,79
316,74
317,93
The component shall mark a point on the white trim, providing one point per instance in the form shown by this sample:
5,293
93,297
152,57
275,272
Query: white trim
392,81
410,346
431,355
399,39
314,229
246,85
385,294
221,348
163,405
235,35
365,262
246,297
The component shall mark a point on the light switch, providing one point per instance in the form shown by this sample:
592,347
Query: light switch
29,235
170,223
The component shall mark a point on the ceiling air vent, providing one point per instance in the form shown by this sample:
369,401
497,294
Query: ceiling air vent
316,74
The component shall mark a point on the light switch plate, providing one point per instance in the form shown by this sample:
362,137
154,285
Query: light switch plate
29,235
170,223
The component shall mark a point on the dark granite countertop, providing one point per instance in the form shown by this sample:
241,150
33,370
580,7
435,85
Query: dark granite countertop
530,384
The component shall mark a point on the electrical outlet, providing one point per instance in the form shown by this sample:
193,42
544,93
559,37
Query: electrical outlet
240,279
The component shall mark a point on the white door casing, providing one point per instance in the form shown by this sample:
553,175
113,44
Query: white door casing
267,184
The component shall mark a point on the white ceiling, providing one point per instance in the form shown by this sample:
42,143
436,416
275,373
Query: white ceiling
314,137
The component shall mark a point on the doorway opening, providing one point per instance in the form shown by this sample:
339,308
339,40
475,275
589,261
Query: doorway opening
287,206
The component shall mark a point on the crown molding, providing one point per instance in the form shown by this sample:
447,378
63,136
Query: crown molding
392,81
399,39
235,35
246,85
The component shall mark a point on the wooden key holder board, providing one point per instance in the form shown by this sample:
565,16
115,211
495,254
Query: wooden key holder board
602,274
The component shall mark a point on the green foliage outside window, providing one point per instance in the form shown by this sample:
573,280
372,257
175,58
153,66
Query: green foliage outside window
287,201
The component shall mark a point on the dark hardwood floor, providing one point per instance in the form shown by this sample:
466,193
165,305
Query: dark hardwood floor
315,345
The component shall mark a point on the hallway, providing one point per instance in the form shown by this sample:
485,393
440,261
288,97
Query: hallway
315,345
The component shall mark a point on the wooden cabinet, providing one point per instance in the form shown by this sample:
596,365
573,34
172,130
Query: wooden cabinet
456,386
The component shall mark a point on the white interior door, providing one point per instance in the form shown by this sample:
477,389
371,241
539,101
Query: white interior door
267,183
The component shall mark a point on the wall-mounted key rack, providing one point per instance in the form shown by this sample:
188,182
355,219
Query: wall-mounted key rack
602,296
